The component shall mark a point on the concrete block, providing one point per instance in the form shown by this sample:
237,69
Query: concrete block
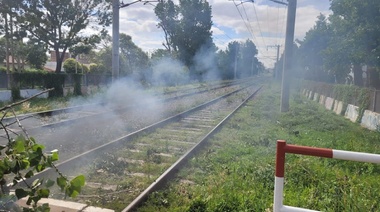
370,120
310,94
352,112
316,96
329,103
338,107
322,99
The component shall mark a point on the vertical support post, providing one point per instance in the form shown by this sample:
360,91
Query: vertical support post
287,69
276,75
236,58
115,40
279,176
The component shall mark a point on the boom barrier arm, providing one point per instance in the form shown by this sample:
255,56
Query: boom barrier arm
283,148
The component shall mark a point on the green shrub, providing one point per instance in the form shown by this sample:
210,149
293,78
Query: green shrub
56,81
77,84
3,69
72,66
15,92
85,68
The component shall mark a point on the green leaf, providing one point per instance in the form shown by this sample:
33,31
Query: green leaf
76,185
61,182
21,193
73,193
49,183
24,164
29,174
44,208
36,183
78,181
19,145
54,156
37,147
40,167
44,192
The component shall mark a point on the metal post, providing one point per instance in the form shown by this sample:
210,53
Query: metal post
287,69
115,40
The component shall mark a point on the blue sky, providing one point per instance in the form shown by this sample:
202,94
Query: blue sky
265,19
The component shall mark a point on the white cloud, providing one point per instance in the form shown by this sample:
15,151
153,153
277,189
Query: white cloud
140,22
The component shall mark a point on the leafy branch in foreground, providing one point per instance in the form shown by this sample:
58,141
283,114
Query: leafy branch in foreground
20,159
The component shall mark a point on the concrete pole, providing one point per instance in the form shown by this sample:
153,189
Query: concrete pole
277,59
236,58
115,40
287,69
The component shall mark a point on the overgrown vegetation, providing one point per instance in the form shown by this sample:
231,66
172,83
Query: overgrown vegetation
348,94
236,171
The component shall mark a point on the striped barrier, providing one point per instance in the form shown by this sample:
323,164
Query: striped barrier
283,148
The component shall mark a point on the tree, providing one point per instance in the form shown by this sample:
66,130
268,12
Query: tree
2,49
72,66
249,63
137,60
187,28
313,49
36,54
167,13
195,29
357,34
58,23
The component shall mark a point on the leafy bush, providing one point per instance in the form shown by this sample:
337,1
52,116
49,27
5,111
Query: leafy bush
85,68
72,66
98,69
3,69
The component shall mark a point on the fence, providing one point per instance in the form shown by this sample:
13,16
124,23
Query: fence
283,148
87,79
328,90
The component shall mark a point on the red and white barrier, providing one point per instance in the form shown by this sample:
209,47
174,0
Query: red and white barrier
283,148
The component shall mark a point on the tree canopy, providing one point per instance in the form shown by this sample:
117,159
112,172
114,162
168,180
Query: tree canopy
344,42
187,28
59,23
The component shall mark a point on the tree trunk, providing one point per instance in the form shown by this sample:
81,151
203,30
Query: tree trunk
12,44
373,76
58,59
9,85
358,75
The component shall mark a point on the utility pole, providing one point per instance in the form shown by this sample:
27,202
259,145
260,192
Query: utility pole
275,72
287,69
115,39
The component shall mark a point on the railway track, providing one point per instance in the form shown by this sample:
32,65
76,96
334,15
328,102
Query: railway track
78,135
117,172
62,116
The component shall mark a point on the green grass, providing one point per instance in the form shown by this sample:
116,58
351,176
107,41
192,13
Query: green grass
235,172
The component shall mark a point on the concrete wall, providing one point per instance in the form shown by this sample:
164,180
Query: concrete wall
370,119
25,93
